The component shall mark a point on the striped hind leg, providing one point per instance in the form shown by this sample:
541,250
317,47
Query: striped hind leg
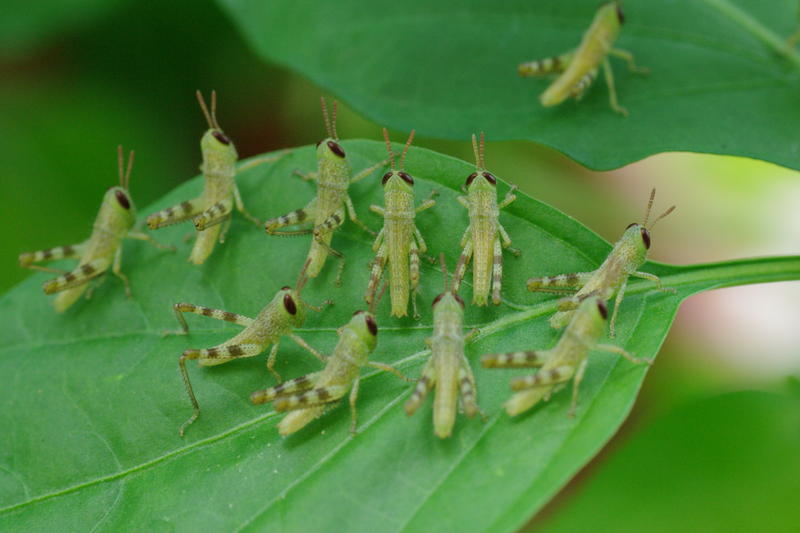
310,397
578,90
561,284
217,314
461,266
210,356
378,264
298,216
543,378
548,65
497,271
28,259
468,391
413,275
522,359
76,277
426,382
216,214
174,214
290,387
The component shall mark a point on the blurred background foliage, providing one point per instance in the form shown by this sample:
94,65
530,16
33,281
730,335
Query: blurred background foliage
713,440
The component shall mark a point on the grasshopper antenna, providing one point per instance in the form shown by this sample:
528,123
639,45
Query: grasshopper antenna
475,151
650,207
405,150
481,152
214,109
445,275
128,171
325,116
333,120
389,147
204,108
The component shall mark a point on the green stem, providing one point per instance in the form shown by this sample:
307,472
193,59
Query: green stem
781,46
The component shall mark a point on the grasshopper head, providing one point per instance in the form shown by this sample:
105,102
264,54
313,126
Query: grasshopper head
481,179
118,209
215,145
366,329
398,180
329,148
291,307
448,300
612,13
637,236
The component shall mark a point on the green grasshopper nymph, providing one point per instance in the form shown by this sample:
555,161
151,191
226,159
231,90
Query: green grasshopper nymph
307,397
447,369
399,242
286,311
485,233
102,250
624,260
566,360
211,211
578,68
327,210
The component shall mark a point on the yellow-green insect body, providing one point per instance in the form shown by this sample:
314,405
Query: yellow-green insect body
610,278
447,370
211,211
102,250
285,312
485,237
577,69
326,211
307,397
399,242
566,360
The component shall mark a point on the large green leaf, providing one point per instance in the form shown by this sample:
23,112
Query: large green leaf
723,80
92,399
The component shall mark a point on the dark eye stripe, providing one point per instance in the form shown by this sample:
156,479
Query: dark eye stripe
629,226
386,177
407,178
372,326
490,178
601,306
122,198
471,178
218,135
620,15
459,299
288,303
646,238
436,300
336,149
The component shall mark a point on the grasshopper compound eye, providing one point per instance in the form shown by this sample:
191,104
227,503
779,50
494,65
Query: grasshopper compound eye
601,306
620,15
471,178
122,199
386,177
336,148
372,325
288,303
407,178
646,238
490,178
218,135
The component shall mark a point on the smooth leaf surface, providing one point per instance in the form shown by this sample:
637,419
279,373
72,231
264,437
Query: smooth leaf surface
92,399
722,78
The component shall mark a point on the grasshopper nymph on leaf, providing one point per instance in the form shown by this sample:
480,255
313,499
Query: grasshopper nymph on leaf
485,237
308,396
325,213
102,250
286,311
566,360
624,260
578,68
448,369
399,242
211,211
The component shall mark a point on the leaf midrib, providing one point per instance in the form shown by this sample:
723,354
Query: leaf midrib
681,276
